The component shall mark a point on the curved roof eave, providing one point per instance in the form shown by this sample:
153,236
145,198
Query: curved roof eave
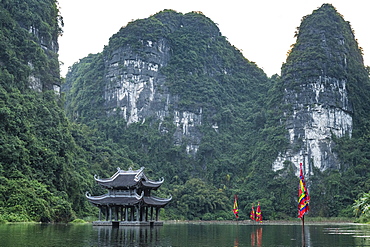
120,172
151,183
107,199
152,200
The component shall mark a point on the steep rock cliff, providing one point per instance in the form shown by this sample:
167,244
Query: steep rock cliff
317,80
29,46
37,149
135,89
168,66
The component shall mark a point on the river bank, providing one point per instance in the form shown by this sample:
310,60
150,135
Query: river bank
308,221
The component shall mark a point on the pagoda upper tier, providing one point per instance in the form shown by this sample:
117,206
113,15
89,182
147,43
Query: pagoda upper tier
128,180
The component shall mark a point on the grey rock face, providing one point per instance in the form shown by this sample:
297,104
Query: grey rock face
135,87
320,110
316,90
134,84
50,48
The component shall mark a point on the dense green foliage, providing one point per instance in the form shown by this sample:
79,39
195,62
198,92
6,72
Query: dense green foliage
44,159
48,155
37,157
361,208
207,72
28,43
326,47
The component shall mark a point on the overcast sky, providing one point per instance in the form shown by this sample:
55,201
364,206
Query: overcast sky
262,29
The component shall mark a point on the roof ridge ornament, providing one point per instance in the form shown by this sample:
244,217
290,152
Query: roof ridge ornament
139,174
139,197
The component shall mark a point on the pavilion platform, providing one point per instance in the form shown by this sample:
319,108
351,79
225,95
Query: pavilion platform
127,223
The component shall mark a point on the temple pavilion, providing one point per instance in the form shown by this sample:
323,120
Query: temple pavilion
129,200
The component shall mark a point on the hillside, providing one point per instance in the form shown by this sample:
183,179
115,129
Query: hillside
180,98
45,161
180,86
36,145
325,88
170,93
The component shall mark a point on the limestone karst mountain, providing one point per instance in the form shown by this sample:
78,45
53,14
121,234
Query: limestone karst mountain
180,68
322,75
170,93
172,67
194,103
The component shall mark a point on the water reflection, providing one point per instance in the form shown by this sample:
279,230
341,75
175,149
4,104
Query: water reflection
256,237
307,237
236,242
127,236
180,235
360,234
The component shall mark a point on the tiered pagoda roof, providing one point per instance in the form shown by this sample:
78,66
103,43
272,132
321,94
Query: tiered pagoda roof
127,200
128,179
123,188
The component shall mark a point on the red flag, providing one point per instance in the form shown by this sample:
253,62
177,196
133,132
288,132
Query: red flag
252,215
235,208
303,197
258,213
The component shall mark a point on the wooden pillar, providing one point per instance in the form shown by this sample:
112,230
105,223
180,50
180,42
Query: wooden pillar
146,213
151,213
121,212
116,213
110,213
132,214
157,213
126,213
142,214
137,213
106,213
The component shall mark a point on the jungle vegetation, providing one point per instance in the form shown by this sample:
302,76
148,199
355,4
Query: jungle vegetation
49,155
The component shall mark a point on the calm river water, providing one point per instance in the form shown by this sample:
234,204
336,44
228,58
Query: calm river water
185,235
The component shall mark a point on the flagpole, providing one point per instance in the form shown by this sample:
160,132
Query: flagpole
303,201
303,235
236,209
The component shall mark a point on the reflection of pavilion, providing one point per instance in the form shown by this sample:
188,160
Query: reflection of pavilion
128,200
127,236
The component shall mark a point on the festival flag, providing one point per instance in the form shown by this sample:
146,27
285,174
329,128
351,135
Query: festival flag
303,197
235,208
258,213
252,215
